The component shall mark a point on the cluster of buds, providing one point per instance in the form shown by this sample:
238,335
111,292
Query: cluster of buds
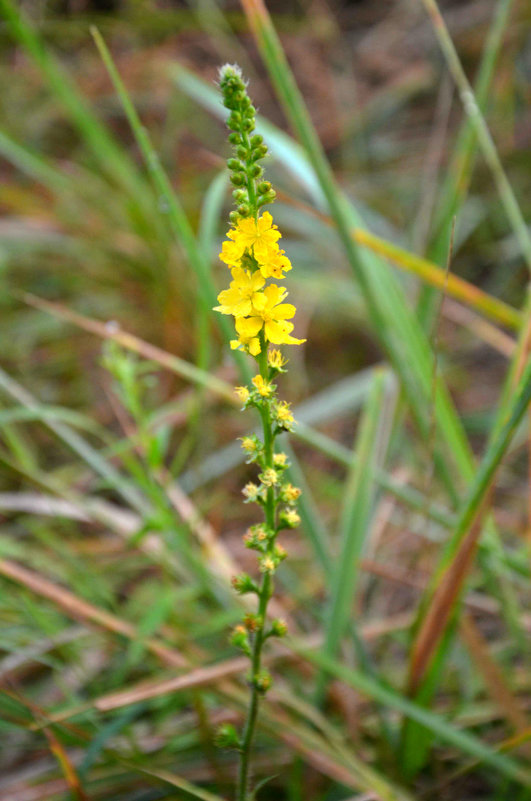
246,173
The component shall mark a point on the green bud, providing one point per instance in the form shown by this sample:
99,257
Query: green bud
244,210
237,178
241,152
235,165
256,140
263,187
255,171
262,681
244,584
240,195
247,124
259,152
235,138
234,217
240,639
227,737
278,628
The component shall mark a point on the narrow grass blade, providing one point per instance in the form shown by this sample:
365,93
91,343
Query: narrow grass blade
482,133
176,216
439,603
465,742
71,438
355,515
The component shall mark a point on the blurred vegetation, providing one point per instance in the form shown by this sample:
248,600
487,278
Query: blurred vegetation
407,672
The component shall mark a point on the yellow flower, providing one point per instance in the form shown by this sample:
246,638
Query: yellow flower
267,565
290,493
249,233
273,262
264,387
269,477
231,253
243,393
283,412
243,297
274,316
247,329
276,360
280,459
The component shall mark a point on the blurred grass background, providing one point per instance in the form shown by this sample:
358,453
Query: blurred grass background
120,491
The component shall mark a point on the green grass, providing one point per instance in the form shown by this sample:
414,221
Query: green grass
120,469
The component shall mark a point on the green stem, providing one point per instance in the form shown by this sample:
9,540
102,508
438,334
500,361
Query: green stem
265,592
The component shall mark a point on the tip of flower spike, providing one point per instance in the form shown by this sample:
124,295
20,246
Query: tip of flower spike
229,71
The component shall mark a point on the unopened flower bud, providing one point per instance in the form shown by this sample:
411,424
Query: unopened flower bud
243,584
240,639
227,737
278,628
262,681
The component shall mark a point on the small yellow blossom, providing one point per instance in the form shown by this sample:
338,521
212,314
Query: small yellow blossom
230,254
269,477
251,491
283,412
244,296
290,493
276,360
274,263
242,393
264,387
260,235
291,517
274,316
280,459
247,329
267,565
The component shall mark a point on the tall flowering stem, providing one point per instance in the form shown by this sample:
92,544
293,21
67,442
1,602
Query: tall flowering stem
261,318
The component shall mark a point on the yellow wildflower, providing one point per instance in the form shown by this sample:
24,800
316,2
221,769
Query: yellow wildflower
267,565
280,459
283,412
274,316
258,234
247,329
290,493
243,393
273,263
276,360
264,387
269,477
230,253
243,297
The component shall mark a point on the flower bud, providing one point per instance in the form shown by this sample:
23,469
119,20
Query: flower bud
227,737
278,628
262,681
252,622
240,639
256,140
263,187
235,164
255,171
244,210
243,584
237,178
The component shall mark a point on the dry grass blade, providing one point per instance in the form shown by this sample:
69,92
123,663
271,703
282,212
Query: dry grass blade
442,606
111,331
79,609
493,676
